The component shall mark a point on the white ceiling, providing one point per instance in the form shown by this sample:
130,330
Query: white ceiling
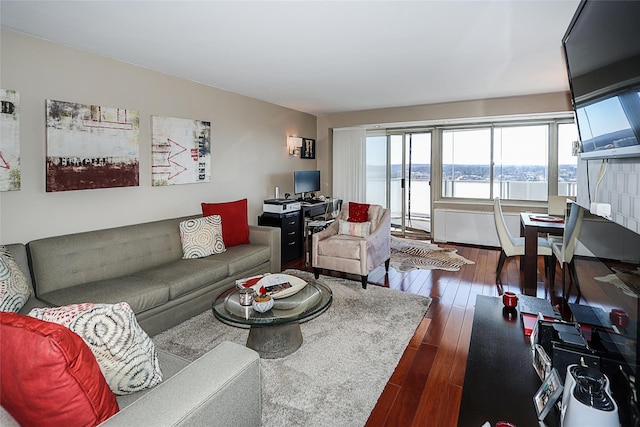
327,56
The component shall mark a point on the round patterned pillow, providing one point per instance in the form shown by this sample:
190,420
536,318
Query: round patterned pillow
125,353
14,290
202,237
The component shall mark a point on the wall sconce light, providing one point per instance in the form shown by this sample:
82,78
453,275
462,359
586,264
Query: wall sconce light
294,145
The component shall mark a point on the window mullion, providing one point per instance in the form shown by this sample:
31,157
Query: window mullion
492,163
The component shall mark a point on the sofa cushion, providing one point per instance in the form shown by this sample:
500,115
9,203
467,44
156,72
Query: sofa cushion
89,257
244,257
125,353
49,373
186,275
340,246
14,289
356,229
201,237
141,294
235,220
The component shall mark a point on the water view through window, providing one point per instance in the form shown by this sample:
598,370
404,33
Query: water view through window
479,162
511,162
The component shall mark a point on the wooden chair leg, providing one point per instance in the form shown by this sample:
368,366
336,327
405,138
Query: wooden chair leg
364,280
386,265
316,272
568,294
573,276
501,260
552,274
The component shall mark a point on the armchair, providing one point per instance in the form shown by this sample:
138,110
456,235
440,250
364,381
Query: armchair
350,253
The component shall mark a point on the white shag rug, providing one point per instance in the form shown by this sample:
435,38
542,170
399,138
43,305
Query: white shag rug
347,356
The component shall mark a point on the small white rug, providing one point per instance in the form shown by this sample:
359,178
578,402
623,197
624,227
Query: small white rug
409,254
348,354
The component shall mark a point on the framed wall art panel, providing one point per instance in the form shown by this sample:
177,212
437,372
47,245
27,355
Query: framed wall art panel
308,150
9,140
181,151
91,146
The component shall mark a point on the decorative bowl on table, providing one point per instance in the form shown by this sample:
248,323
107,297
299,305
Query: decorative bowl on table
280,285
262,303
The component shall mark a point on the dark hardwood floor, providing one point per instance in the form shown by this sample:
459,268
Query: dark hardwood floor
426,387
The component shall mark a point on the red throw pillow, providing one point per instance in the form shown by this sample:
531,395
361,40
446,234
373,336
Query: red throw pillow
50,375
358,212
235,221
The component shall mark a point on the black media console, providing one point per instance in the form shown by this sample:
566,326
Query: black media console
500,381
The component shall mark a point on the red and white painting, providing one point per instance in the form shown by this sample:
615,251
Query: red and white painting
181,151
9,140
91,146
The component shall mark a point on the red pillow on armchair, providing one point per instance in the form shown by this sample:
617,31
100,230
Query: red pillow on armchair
49,373
235,220
358,212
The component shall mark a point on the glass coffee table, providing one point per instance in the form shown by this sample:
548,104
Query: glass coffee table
276,332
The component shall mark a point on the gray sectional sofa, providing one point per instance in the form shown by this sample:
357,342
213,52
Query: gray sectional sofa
142,264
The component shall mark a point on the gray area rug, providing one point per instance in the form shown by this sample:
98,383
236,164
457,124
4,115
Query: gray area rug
348,354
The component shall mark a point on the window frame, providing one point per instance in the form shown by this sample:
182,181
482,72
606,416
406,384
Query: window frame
552,154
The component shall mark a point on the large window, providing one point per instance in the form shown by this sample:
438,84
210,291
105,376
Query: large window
509,161
466,163
520,162
376,171
515,159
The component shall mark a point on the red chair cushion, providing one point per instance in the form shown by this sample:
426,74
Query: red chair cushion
49,375
358,212
235,221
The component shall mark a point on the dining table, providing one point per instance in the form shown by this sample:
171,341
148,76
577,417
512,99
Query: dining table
531,225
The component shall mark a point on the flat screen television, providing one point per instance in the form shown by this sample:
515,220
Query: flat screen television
306,182
602,52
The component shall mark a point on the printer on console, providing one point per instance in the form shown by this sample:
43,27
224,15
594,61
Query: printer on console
280,206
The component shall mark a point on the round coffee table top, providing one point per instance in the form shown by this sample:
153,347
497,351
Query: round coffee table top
307,303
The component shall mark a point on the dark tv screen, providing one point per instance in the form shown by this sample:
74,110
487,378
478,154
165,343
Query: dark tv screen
602,52
306,181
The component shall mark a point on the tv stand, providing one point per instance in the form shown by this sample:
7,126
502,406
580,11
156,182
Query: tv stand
499,367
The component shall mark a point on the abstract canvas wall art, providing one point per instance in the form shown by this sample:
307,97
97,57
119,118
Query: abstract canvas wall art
9,140
181,151
91,146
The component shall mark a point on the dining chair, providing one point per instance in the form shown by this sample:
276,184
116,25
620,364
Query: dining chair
514,246
563,249
557,206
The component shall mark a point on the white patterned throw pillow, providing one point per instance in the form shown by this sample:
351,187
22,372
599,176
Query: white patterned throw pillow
14,290
202,237
357,229
125,353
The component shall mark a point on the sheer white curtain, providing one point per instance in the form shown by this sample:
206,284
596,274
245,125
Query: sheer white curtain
349,165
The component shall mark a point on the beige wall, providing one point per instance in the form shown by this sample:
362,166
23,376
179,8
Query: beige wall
249,155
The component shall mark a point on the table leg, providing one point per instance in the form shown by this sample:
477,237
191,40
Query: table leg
274,342
530,260
307,245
